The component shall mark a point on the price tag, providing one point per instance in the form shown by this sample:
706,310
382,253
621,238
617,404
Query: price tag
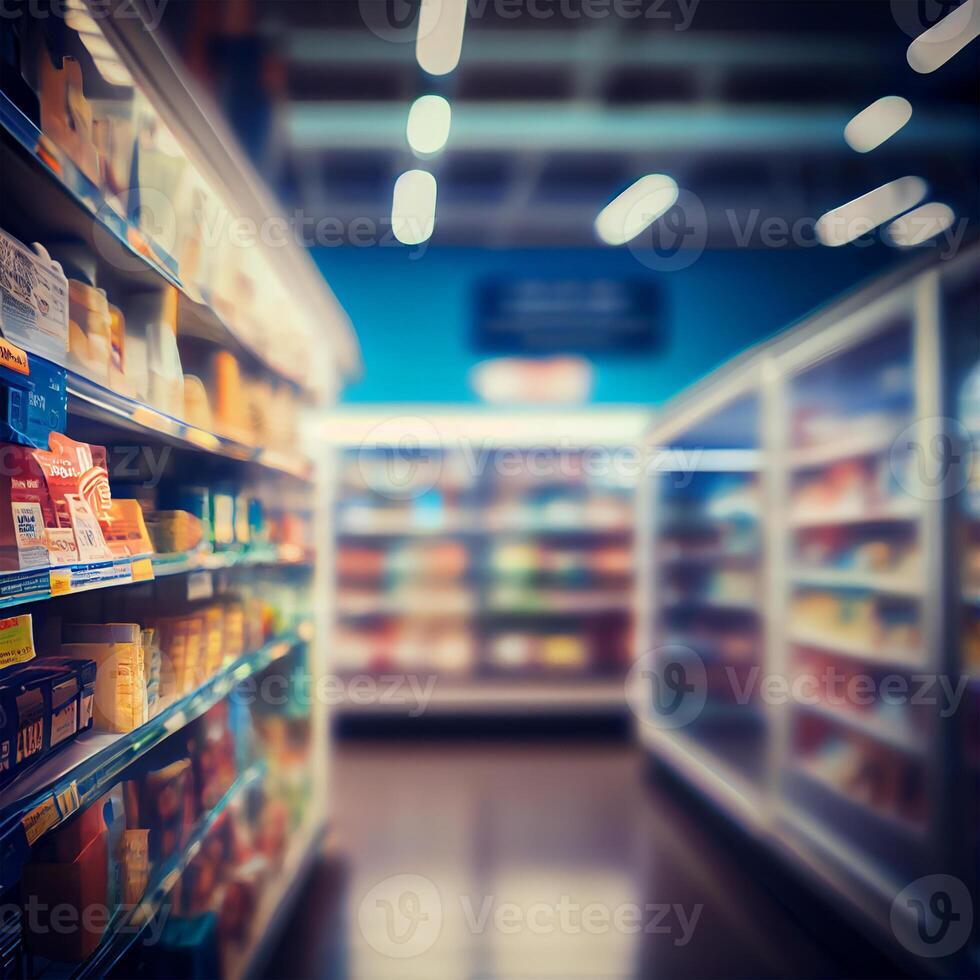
68,801
16,640
50,812
142,569
60,581
41,819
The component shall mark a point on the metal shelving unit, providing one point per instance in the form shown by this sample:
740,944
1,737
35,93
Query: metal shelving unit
523,565
859,576
47,198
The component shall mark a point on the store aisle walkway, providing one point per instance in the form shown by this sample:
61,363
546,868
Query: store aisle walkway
539,861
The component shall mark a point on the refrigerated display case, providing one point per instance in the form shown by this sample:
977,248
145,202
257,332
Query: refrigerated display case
166,798
820,485
493,558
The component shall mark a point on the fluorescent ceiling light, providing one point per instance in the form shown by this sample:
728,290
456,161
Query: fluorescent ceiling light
636,208
440,35
413,207
934,47
428,124
879,122
920,225
857,217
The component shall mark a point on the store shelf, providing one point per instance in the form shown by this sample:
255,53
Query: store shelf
905,509
517,695
856,721
79,774
834,578
912,833
730,791
276,902
851,446
38,585
40,168
124,931
563,602
93,401
712,603
894,657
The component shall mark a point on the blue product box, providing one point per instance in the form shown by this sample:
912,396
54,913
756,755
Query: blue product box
32,403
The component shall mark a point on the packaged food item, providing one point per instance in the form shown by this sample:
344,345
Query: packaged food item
66,116
113,132
28,522
78,484
85,672
125,530
33,300
173,531
89,331
33,397
163,811
197,409
153,365
229,400
120,703
79,880
39,706
117,349
135,865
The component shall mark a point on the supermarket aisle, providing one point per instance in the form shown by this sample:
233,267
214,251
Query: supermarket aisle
535,861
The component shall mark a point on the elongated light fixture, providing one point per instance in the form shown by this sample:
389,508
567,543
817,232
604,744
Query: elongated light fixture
934,47
440,35
636,208
428,124
413,207
852,220
880,121
920,224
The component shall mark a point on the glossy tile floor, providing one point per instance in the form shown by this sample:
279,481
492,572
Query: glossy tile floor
543,861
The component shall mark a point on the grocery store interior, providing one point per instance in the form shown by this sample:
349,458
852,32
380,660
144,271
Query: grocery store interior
490,489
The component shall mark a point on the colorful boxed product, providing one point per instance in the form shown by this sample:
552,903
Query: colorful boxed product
125,529
173,531
120,687
86,672
33,397
162,808
39,707
69,869
66,116
89,331
33,300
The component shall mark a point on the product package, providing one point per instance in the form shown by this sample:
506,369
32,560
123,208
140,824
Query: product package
78,483
72,867
125,530
33,300
27,516
121,682
89,331
33,397
174,531
39,714
163,808
66,116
